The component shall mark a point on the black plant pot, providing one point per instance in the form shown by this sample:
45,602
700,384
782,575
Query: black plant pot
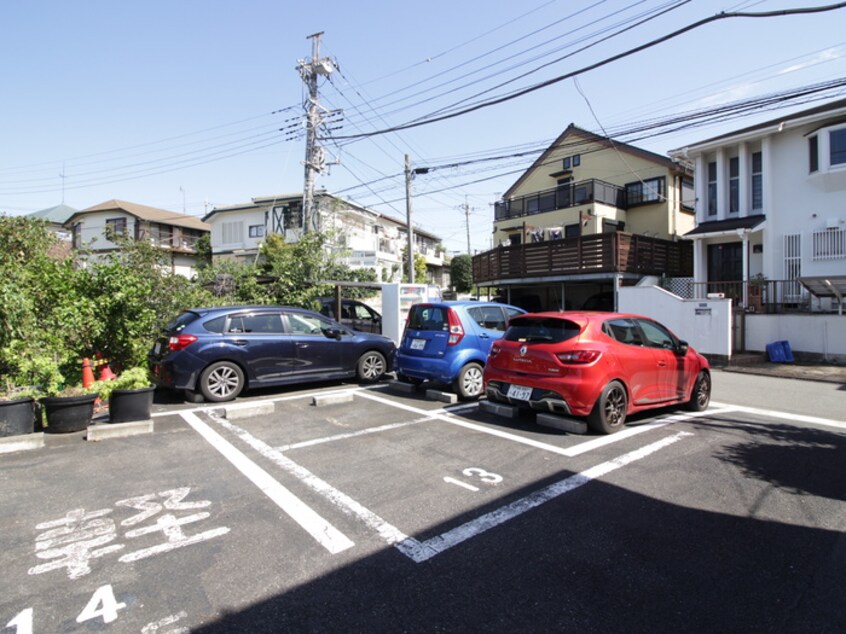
68,413
130,405
17,417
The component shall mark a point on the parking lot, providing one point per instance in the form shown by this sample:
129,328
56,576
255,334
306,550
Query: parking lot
350,508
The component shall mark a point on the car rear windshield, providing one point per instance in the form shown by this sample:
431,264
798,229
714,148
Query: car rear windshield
428,317
178,324
542,330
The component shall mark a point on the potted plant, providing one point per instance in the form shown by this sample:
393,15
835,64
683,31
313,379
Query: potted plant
69,409
130,395
18,409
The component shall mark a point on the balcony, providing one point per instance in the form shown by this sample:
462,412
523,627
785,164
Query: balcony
175,241
599,253
562,197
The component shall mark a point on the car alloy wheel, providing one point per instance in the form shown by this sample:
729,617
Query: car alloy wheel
700,397
221,381
371,366
609,413
470,381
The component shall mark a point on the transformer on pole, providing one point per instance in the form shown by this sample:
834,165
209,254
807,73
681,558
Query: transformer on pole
310,70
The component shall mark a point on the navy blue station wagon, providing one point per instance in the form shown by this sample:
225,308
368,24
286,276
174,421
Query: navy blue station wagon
218,352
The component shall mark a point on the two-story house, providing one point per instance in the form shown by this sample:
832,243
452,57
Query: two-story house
174,233
362,238
591,214
771,222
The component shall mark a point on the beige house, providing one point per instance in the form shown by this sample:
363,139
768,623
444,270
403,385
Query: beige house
173,232
590,215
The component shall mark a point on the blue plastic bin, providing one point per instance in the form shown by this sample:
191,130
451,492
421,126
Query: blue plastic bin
780,352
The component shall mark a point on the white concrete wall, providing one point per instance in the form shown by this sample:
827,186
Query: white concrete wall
823,335
704,324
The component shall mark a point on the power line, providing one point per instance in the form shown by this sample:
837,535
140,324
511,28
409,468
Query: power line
590,67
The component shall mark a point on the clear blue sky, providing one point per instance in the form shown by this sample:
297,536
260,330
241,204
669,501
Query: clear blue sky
178,105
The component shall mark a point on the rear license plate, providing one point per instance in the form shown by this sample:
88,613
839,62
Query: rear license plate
418,344
519,392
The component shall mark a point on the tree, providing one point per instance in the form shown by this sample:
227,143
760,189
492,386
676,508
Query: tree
461,273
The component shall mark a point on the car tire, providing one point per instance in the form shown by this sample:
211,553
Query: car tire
700,396
408,379
609,412
469,383
371,367
221,381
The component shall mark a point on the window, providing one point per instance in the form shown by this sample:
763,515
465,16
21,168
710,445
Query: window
734,184
231,232
712,188
656,335
116,227
256,231
757,181
488,317
646,191
267,323
303,324
813,154
829,244
572,161
573,231
837,147
688,200
623,330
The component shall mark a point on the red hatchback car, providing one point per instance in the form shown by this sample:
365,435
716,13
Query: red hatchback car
599,365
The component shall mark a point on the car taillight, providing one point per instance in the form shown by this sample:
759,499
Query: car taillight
579,356
456,332
180,342
494,350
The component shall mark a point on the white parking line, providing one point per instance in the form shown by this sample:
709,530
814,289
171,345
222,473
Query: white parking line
392,535
442,415
445,541
326,535
796,418
637,429
352,434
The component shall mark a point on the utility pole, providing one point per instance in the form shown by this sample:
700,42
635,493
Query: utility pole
310,70
467,222
408,219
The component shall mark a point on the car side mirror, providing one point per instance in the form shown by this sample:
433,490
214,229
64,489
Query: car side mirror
682,348
333,333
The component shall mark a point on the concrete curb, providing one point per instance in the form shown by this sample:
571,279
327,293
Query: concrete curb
399,386
438,395
24,442
247,410
332,399
570,425
507,411
118,430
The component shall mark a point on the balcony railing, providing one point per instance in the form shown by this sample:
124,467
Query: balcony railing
562,197
170,240
599,253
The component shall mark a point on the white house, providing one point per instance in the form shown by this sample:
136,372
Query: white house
771,227
172,232
362,238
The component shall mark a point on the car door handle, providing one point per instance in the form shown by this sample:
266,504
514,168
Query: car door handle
662,364
302,345
484,335
240,342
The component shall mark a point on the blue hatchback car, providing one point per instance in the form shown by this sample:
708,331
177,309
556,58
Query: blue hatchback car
218,352
448,342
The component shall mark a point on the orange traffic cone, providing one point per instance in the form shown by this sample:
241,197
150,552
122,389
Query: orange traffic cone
87,373
106,373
